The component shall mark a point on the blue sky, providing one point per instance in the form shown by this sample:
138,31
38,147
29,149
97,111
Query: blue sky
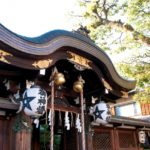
35,17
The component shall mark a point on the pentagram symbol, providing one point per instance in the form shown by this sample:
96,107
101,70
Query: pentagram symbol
98,113
27,100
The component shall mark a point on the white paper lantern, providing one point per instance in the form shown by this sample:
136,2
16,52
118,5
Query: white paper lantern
35,101
142,137
101,113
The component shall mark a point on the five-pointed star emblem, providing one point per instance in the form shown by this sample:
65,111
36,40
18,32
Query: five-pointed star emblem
27,100
98,113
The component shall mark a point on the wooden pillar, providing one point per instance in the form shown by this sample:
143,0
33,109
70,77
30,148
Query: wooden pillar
90,141
35,138
52,117
23,132
89,131
23,140
82,122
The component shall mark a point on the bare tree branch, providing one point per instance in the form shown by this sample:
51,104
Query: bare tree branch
128,28
117,39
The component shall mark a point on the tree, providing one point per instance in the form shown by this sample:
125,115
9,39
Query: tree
118,26
141,72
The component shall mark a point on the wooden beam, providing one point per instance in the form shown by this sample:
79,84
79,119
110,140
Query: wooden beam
65,108
10,73
7,104
128,121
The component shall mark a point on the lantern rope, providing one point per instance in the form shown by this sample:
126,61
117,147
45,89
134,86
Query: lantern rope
82,121
52,116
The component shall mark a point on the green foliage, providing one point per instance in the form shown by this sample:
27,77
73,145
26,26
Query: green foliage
139,12
21,123
142,74
44,136
143,96
120,22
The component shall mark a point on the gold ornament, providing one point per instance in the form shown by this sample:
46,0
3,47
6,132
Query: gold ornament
78,85
42,63
58,77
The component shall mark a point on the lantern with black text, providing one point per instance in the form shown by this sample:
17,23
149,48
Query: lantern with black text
35,101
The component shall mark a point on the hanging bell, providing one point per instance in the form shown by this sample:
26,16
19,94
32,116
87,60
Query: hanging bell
78,85
59,78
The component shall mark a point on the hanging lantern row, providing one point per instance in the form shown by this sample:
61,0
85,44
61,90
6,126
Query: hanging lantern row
34,101
34,104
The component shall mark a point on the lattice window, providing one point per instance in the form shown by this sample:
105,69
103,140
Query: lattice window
102,141
126,139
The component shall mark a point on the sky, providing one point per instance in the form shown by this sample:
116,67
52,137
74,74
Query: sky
32,18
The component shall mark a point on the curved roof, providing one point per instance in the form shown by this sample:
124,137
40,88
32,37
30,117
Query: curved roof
50,42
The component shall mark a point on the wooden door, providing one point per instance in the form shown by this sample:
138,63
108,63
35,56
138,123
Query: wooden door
103,139
126,140
114,139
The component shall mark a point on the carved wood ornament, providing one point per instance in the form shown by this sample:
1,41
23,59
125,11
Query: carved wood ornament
42,63
4,55
80,63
